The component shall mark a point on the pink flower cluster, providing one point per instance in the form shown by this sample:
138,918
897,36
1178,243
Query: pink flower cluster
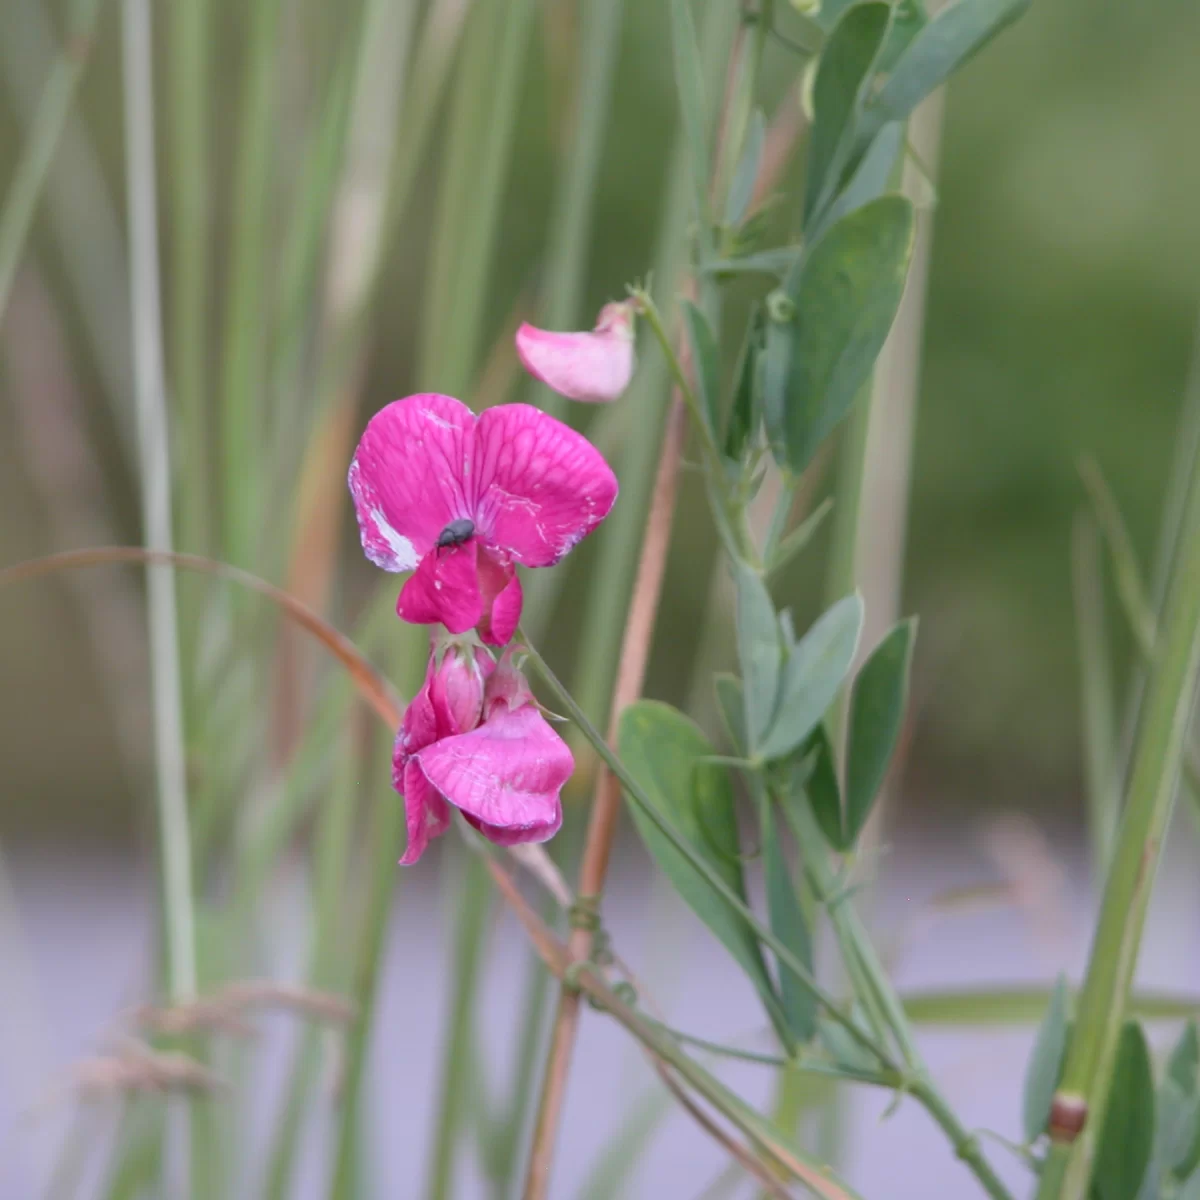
460,501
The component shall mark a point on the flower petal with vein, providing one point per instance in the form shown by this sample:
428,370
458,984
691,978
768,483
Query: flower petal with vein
460,500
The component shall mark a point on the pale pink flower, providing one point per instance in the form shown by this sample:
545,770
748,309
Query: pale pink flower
504,775
460,500
594,366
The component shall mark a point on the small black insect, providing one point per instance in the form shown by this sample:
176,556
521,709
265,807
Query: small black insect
456,533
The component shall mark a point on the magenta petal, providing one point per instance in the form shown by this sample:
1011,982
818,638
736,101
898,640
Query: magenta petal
408,477
542,486
502,599
425,813
456,688
445,588
507,774
419,726
504,836
594,366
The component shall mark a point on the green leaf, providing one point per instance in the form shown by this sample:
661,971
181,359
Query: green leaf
741,189
788,924
844,299
745,409
1178,1116
1191,1189
1185,1059
1123,1149
839,93
801,535
664,751
777,262
689,81
1024,1006
1045,1063
823,790
759,649
952,37
731,705
908,19
877,704
870,179
705,363
812,675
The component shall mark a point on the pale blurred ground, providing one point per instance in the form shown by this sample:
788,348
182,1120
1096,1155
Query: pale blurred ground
87,923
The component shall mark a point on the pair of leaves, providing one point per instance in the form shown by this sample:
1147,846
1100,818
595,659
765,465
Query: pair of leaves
789,684
877,703
668,755
784,910
917,56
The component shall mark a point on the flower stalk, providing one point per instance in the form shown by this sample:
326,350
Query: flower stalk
1153,784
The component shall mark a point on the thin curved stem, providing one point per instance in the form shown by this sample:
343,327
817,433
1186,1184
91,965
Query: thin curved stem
606,805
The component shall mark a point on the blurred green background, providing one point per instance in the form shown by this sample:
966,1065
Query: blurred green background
1061,316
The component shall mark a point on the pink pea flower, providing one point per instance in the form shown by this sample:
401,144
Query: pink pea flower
460,500
504,773
594,366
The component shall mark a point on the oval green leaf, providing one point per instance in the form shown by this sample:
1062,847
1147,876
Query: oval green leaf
877,705
813,674
1045,1064
665,753
1123,1149
705,364
839,92
843,300
938,50
789,925
759,649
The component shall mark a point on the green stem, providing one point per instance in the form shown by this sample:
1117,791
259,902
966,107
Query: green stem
1153,782
188,46
156,502
711,876
386,837
245,334
1096,692
332,850
34,164
864,966
459,1052
568,244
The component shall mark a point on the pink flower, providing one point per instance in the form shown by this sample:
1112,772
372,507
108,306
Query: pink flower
504,774
594,366
462,499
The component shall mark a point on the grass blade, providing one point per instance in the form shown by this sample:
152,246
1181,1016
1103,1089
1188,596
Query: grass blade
34,163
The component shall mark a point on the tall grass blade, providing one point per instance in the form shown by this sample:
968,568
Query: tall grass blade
34,164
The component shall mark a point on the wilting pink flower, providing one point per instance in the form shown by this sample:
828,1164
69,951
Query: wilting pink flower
594,366
504,774
462,499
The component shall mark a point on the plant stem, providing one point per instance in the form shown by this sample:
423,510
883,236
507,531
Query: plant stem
864,966
568,245
1153,781
156,501
701,864
246,335
34,163
606,804
460,1052
1096,691
155,469
385,838
188,33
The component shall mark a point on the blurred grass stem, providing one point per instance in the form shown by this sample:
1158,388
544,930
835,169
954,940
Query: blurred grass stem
34,163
